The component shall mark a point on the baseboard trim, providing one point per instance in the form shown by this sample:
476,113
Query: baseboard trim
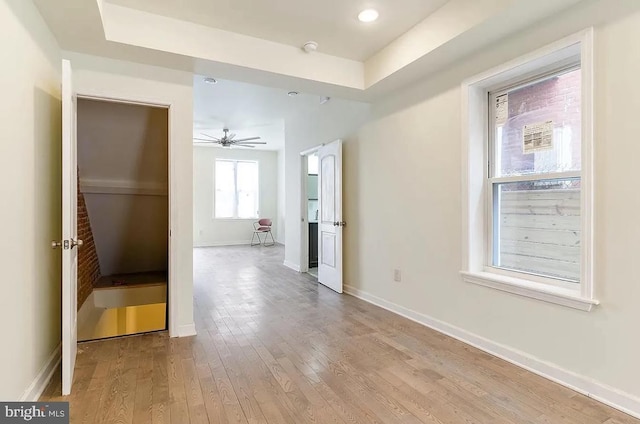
292,266
230,243
187,330
608,395
224,243
37,386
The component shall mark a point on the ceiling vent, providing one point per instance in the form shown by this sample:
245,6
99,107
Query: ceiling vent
310,46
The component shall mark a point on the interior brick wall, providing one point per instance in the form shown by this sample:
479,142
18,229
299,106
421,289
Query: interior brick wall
88,264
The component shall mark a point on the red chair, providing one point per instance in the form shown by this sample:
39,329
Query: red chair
262,226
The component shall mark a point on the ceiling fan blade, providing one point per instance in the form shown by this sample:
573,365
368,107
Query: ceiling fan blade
210,136
251,142
205,140
231,136
246,139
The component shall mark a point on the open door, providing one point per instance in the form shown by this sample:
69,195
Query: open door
69,242
330,221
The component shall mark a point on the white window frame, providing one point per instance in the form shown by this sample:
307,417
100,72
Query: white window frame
235,179
476,259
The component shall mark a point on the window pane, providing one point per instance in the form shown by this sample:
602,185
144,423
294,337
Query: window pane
312,164
248,190
224,204
328,188
538,127
537,227
225,189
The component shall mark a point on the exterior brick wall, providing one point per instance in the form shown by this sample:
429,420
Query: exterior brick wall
88,264
557,99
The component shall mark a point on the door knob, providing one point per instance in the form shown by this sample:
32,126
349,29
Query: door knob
77,242
56,244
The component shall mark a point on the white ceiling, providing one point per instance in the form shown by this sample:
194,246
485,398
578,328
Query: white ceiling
331,23
247,110
457,29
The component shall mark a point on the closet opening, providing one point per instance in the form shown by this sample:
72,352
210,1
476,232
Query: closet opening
123,218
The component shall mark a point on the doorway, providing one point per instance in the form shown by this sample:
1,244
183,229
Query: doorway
321,210
123,218
312,213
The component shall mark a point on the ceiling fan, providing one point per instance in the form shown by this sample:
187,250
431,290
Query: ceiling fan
229,140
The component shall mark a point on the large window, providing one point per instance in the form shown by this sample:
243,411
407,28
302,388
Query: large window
528,189
236,189
534,176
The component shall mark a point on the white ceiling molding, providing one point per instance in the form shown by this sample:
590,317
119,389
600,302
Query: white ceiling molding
333,24
142,29
450,21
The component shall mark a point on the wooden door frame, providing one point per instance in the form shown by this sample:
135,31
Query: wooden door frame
172,288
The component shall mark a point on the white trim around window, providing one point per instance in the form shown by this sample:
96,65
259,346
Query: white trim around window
475,155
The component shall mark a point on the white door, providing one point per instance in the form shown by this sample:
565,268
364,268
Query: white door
69,231
330,222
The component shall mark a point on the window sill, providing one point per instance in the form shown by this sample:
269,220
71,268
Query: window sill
544,292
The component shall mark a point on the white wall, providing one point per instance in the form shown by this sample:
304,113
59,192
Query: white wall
30,155
130,232
208,231
124,145
403,171
280,222
103,77
337,119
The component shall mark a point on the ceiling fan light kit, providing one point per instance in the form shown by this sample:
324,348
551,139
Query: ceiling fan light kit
229,140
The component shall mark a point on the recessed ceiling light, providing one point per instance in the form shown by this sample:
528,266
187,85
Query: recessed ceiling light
292,93
210,80
368,15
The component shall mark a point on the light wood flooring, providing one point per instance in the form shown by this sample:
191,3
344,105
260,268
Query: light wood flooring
275,347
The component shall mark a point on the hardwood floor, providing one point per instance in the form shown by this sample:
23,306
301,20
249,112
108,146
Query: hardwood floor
274,347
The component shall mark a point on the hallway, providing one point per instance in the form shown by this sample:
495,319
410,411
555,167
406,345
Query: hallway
275,347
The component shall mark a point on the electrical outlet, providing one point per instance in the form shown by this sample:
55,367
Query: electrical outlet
397,275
